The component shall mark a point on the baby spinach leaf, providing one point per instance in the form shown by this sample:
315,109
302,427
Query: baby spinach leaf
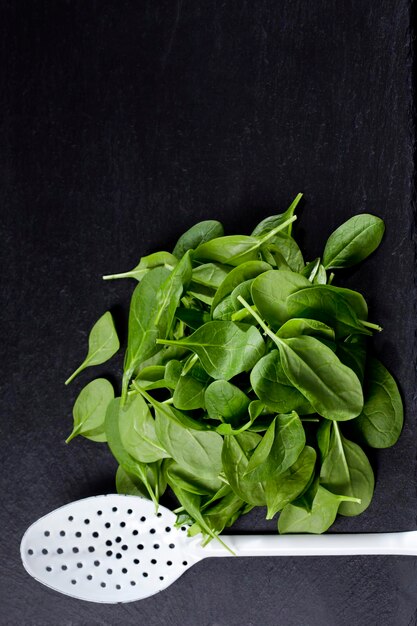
284,247
300,326
236,277
173,371
333,390
194,318
279,449
281,489
131,466
346,470
190,389
226,402
352,352
201,293
225,349
137,432
235,458
146,263
236,249
381,420
133,486
353,241
224,512
299,518
201,484
152,377
103,343
197,451
224,310
192,504
143,330
90,410
210,274
269,223
328,305
196,235
273,388
152,312
270,291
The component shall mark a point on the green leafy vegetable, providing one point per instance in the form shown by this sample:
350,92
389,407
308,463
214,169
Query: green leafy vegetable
241,363
224,348
103,343
353,241
381,420
90,410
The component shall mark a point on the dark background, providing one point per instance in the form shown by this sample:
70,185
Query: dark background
122,124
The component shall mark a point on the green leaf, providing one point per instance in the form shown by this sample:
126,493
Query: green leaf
279,448
225,349
235,458
329,305
236,249
152,312
297,327
190,389
200,484
299,518
90,410
353,241
270,291
133,486
285,251
346,470
134,468
196,451
146,263
281,489
196,235
271,222
352,352
103,343
381,420
137,432
226,402
236,277
194,318
273,388
210,274
192,504
333,390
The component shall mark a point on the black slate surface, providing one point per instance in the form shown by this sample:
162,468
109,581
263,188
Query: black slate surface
122,124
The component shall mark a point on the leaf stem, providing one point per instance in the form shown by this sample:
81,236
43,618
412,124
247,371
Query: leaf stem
189,364
371,325
128,274
277,229
260,321
74,433
74,374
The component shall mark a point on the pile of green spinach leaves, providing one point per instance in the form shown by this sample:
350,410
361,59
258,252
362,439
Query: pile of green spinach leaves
246,376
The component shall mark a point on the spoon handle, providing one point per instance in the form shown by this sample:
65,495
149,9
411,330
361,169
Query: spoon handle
401,543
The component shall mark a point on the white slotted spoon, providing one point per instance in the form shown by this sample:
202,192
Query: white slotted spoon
115,548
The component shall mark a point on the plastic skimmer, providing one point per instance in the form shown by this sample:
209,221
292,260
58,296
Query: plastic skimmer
116,548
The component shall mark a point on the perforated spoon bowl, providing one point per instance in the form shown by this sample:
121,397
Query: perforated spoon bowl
115,548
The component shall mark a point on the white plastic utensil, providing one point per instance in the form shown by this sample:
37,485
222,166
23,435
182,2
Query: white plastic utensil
115,548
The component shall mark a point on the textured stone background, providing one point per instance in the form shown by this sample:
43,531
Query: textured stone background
123,123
